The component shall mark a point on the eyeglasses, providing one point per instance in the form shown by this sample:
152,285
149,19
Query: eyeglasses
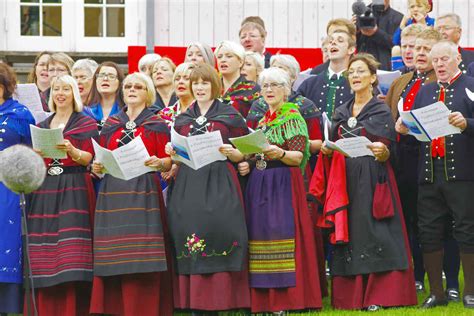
272,85
359,72
81,78
135,86
57,70
103,76
445,28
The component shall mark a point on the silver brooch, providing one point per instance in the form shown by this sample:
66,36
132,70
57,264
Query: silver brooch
130,125
55,171
352,122
201,120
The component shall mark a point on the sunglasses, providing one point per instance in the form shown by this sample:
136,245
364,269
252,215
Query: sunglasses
135,86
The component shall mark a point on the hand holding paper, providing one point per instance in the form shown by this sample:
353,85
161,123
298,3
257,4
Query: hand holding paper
46,140
252,143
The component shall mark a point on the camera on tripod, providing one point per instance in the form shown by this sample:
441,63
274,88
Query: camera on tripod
367,16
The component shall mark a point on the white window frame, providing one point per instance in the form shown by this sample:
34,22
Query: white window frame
72,38
103,43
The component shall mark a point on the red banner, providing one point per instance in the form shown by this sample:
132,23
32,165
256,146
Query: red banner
307,57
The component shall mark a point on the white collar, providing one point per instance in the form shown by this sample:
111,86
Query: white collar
338,74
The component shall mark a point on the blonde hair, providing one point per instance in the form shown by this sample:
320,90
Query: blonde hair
430,34
146,80
351,29
258,60
70,81
423,3
62,58
413,29
236,49
182,68
166,60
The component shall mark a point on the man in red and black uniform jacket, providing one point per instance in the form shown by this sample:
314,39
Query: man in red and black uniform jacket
446,174
450,27
406,150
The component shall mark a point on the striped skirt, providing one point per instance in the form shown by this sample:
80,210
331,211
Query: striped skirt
128,233
59,230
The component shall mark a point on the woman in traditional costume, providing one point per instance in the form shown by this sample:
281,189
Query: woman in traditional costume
237,91
61,210
106,96
205,209
283,254
182,89
39,76
14,121
131,264
361,203
162,75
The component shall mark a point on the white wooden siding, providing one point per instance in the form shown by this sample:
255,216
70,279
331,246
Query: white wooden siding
289,23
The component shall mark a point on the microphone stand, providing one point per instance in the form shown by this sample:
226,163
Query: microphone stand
27,275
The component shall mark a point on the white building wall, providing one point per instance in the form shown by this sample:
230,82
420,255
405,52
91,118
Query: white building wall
290,23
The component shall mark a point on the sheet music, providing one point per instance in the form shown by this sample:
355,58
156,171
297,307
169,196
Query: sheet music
126,162
46,139
252,143
199,150
28,95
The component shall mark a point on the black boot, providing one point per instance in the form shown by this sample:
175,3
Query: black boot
434,267
467,260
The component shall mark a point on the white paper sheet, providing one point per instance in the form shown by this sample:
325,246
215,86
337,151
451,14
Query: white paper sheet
197,151
28,95
386,78
429,122
126,162
46,139
350,147
252,143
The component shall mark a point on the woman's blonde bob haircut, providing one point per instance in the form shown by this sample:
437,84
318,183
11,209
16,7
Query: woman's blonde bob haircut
146,80
236,49
70,81
206,73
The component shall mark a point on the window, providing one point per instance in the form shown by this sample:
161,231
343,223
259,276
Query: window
41,17
104,18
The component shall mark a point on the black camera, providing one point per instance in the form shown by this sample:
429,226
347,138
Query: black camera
367,16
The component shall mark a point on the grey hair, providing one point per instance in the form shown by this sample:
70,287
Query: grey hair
206,52
289,61
277,75
148,60
86,64
453,16
237,49
182,68
452,47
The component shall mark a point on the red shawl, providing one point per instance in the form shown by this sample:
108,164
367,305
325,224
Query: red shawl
328,184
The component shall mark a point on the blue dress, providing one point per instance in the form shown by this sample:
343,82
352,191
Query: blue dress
14,129
95,111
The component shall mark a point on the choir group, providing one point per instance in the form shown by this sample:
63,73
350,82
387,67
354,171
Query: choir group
252,233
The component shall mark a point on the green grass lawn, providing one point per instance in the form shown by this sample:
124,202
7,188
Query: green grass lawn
453,309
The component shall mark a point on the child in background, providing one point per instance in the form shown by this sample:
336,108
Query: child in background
418,13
